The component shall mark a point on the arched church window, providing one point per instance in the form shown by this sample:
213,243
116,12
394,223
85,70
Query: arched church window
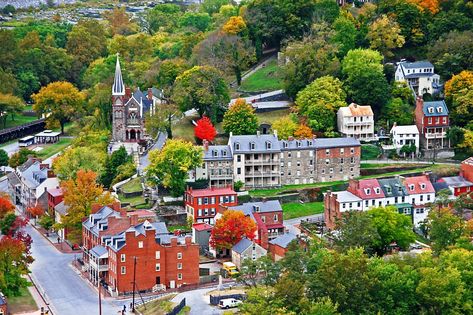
118,114
132,118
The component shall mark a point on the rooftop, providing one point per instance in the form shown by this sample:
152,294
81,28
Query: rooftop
254,143
409,129
457,181
435,108
202,227
218,152
48,133
242,245
213,191
283,240
263,206
417,64
346,196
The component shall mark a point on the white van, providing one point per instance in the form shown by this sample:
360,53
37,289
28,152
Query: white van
228,303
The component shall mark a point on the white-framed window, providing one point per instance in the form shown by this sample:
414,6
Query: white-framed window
158,254
123,270
422,186
411,187
179,255
179,265
179,276
327,151
252,146
140,244
122,257
342,150
377,190
298,154
352,150
263,218
268,145
368,191
275,217
327,161
237,146
158,267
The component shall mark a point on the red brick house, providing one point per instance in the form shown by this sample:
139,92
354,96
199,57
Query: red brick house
466,169
463,183
268,217
278,247
202,204
433,122
112,238
3,305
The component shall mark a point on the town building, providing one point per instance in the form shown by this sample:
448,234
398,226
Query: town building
463,183
28,182
432,122
118,248
201,205
405,135
268,216
466,169
246,249
410,195
57,209
201,235
419,76
260,161
356,121
129,111
278,247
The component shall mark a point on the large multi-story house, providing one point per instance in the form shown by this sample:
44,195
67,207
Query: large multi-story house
268,216
265,161
419,76
202,204
356,121
410,195
432,122
119,248
28,182
405,135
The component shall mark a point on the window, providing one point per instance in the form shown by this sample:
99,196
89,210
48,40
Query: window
342,150
263,218
298,173
252,146
439,109
238,158
298,163
411,187
268,145
422,186
421,197
289,154
298,144
140,244
323,171
224,153
352,160
179,265
388,190
366,203
428,197
431,110
367,191
158,267
123,270
289,164
341,160
239,170
275,217
351,169
444,120
158,254
311,153
377,191
331,170
122,258
327,161
206,201
214,153
327,151
298,154
344,205
179,255
199,201
430,120
237,146
179,276
352,150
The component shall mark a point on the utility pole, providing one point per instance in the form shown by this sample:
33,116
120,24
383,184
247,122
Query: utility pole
100,298
134,284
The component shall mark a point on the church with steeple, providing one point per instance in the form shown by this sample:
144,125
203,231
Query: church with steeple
129,110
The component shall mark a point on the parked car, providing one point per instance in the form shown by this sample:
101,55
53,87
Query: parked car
230,269
228,303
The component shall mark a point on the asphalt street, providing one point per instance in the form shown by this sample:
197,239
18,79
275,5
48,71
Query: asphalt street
64,289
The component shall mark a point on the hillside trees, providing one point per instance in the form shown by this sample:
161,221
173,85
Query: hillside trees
459,96
384,35
240,119
9,106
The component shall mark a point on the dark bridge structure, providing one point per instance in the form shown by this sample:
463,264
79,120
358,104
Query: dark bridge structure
22,130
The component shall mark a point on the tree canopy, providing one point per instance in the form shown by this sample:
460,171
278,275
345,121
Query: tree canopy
240,119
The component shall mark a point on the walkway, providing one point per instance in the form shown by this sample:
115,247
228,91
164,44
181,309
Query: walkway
160,141
429,162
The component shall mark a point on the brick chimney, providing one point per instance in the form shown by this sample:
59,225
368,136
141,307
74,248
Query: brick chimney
173,241
150,94
188,240
205,143
127,92
95,207
51,174
133,219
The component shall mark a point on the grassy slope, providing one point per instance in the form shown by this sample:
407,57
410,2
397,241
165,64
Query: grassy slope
19,120
133,185
23,303
265,79
297,209
158,307
51,149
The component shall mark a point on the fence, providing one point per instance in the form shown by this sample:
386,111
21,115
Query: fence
215,299
178,308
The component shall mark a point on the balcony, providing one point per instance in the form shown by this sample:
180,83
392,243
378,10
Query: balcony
358,123
101,267
221,176
264,173
435,135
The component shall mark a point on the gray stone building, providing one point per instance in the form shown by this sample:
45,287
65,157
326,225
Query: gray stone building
261,161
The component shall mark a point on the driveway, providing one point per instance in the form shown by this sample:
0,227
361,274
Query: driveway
64,289
198,302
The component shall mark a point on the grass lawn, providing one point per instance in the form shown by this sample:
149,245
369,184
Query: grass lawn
270,117
296,209
184,129
268,78
24,303
158,307
51,149
370,152
172,228
19,120
133,185
137,202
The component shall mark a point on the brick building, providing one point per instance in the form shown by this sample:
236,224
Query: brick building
463,183
410,195
202,204
432,122
3,305
278,247
265,161
112,239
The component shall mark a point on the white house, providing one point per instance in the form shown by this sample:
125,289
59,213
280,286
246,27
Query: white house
419,75
356,121
246,249
405,135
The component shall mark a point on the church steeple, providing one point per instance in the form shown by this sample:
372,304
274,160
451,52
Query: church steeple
118,87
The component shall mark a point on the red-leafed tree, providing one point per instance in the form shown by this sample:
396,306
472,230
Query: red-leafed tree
231,228
13,265
205,129
35,211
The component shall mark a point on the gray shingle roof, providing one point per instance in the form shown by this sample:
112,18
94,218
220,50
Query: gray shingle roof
392,187
99,251
417,64
218,152
264,206
283,240
13,179
34,175
61,208
260,143
457,181
302,144
242,245
321,143
438,186
118,87
434,108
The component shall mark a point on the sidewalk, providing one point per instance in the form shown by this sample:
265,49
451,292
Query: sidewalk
52,237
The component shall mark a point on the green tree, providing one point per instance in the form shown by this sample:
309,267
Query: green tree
112,164
9,106
60,101
385,35
326,10
72,160
319,102
240,119
445,228
195,21
360,60
213,6
170,165
401,90
285,127
202,89
3,158
345,35
310,58
20,157
397,111
163,17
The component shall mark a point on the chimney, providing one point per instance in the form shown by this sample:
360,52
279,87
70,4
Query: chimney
127,92
173,241
419,102
51,174
188,240
231,134
395,124
257,133
291,138
150,94
205,143
275,132
116,206
133,219
264,199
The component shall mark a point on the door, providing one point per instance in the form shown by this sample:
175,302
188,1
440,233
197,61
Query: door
172,284
158,280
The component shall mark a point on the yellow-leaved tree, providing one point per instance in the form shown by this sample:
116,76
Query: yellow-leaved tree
384,35
459,97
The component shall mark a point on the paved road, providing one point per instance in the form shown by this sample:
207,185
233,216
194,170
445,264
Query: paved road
11,148
66,291
144,161
289,224
198,301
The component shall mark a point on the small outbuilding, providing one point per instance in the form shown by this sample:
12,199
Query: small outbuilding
46,136
246,249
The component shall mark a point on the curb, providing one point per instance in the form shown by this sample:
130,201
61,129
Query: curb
42,294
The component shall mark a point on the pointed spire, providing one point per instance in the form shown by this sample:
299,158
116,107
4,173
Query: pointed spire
118,87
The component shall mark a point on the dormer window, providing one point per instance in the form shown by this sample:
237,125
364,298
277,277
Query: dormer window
377,191
224,153
367,191
439,109
268,145
388,190
422,186
309,143
256,208
214,153
252,145
399,189
431,110
411,187
284,144
298,144
237,146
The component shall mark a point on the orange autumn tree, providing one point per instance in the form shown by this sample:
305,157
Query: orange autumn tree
205,129
35,211
6,206
431,5
231,228
79,195
303,132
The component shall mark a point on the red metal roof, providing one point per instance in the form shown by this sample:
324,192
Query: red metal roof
417,182
369,185
202,227
55,192
217,191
